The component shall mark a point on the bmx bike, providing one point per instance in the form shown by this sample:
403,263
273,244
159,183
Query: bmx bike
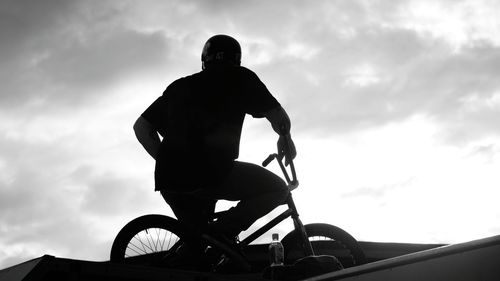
147,239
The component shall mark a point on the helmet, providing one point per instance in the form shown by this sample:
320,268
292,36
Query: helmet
221,48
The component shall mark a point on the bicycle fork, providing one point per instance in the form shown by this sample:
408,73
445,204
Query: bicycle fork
301,230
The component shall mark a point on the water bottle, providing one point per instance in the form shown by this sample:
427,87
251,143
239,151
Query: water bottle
276,251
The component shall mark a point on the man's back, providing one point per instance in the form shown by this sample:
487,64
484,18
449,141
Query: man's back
202,117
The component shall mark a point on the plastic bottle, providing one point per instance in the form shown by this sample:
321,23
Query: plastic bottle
276,251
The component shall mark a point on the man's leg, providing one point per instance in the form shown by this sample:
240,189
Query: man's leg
259,192
190,210
193,212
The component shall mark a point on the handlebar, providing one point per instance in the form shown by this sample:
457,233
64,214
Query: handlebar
269,159
293,183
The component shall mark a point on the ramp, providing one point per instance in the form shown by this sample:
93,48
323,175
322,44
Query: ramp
472,261
51,268
20,271
477,260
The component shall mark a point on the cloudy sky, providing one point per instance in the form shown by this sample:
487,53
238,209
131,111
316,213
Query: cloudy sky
395,108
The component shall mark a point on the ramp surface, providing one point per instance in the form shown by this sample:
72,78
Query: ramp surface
20,271
477,260
52,268
471,261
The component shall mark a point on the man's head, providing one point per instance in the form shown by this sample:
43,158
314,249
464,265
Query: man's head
220,49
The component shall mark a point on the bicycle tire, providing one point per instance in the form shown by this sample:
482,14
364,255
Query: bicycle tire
153,250
336,242
147,231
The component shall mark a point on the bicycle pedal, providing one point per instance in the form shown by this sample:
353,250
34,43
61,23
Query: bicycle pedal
228,265
231,256
223,261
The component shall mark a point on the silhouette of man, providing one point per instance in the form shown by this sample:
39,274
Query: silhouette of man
200,118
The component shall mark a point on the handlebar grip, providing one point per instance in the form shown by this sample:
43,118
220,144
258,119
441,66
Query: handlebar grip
268,160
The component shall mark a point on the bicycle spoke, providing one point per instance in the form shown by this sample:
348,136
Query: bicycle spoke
151,241
136,249
146,238
154,240
133,250
159,240
143,244
173,241
170,240
138,238
163,241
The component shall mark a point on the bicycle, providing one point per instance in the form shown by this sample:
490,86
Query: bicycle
149,238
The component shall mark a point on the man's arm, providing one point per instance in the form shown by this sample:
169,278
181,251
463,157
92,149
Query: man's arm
279,120
147,136
281,125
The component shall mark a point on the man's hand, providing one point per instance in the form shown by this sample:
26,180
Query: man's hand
281,125
286,148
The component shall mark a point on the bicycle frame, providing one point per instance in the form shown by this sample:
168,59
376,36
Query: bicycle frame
290,212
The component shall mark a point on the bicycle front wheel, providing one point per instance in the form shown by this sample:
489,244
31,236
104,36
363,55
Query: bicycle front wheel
146,239
325,239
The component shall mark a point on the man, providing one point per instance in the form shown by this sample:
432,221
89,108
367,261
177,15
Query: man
200,118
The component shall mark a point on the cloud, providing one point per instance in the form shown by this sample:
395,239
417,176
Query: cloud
50,203
384,75
76,74
107,194
32,187
486,153
373,68
100,60
70,53
367,65
324,84
456,22
378,192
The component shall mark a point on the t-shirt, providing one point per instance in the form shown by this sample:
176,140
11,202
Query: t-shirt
200,118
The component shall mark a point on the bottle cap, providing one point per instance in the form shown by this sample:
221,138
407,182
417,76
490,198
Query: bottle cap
276,236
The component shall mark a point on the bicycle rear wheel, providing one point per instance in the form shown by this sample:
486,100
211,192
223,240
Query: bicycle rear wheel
326,239
147,239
